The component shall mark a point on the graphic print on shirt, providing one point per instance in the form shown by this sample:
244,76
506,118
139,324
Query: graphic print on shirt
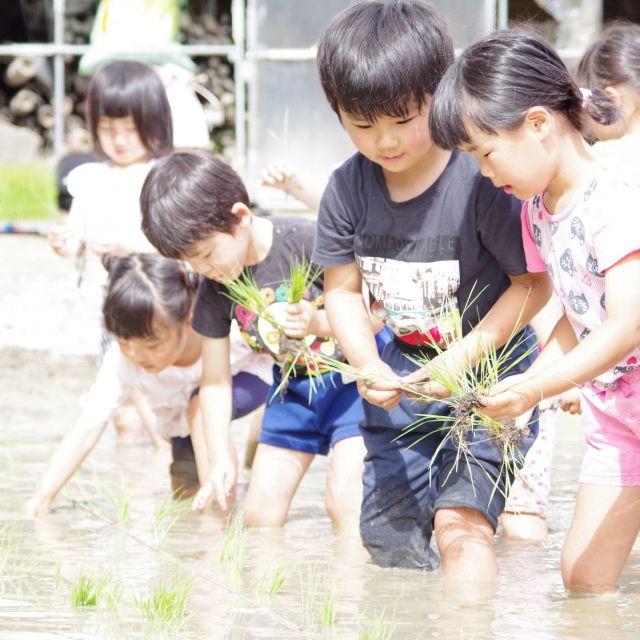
417,299
263,337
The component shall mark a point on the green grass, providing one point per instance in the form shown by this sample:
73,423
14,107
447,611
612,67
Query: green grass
271,582
27,192
378,629
231,554
168,513
86,591
165,608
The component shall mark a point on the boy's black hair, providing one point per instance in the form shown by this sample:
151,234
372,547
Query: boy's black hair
614,59
129,88
187,197
380,58
144,288
498,79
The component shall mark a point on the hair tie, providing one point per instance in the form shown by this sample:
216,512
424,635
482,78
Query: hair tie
192,279
586,96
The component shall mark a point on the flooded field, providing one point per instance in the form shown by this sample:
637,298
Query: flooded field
119,559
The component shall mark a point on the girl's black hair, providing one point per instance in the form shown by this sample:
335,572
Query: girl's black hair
381,57
498,79
614,59
144,288
129,88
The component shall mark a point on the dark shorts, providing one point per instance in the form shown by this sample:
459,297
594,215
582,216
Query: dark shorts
249,392
407,478
315,423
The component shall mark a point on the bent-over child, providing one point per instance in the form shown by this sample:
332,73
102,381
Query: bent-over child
419,225
148,309
510,100
197,208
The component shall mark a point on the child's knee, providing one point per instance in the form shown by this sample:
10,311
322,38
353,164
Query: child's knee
261,512
456,528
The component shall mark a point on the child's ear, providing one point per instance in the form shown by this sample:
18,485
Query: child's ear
615,95
242,212
538,120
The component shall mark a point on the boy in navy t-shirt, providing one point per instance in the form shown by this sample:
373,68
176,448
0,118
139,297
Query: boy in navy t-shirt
420,226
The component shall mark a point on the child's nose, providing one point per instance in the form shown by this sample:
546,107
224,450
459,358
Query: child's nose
386,140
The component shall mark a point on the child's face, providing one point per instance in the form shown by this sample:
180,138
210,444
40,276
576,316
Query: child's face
515,161
158,352
396,144
221,256
120,140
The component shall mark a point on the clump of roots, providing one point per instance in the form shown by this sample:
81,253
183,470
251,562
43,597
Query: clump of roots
507,434
292,353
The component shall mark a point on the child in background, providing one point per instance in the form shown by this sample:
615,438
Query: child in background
197,208
148,308
511,102
129,118
612,64
414,221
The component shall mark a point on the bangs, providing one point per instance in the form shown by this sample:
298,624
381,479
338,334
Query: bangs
118,101
129,311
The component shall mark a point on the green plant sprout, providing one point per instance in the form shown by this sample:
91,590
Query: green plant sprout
165,608
86,591
168,513
293,353
464,382
121,500
319,598
233,545
271,582
379,629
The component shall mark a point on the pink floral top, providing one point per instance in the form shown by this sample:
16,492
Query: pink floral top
577,246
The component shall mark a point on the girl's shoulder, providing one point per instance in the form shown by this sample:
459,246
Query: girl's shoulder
86,177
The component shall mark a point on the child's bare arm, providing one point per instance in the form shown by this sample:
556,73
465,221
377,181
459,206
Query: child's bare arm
66,460
354,332
514,309
216,406
605,346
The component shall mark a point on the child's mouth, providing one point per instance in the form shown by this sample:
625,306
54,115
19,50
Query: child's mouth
508,188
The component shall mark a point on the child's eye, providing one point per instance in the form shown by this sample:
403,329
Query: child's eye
486,155
405,120
363,126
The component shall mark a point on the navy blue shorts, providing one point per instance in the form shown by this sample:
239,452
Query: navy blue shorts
311,424
407,478
249,392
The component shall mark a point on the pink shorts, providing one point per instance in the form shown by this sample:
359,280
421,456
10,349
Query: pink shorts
611,422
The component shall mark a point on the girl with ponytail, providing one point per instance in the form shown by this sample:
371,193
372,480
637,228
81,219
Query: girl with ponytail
510,101
148,308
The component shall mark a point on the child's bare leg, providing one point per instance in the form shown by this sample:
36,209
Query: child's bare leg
524,526
275,476
255,426
343,492
465,542
605,525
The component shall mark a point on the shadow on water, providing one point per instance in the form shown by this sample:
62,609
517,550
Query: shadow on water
139,565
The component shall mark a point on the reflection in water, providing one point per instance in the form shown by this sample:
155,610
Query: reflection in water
299,582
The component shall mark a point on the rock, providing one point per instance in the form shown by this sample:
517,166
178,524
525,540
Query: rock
18,144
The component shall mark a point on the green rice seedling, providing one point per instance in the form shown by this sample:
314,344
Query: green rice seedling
17,562
379,629
464,382
86,591
120,497
319,598
293,353
168,513
112,596
328,612
165,608
271,582
232,552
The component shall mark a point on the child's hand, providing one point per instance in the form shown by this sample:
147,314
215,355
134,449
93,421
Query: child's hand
422,388
222,485
383,388
35,507
510,398
62,241
570,401
297,319
278,176
102,248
